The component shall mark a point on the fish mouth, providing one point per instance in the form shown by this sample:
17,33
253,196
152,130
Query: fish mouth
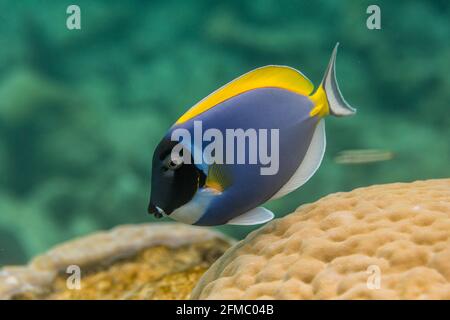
155,210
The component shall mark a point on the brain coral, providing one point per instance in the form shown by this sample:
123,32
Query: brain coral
149,261
381,242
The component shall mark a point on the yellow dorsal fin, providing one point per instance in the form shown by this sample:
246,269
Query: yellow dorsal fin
270,76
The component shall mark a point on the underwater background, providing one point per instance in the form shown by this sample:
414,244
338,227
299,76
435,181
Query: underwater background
82,110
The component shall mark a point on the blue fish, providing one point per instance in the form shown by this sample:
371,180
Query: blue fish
278,99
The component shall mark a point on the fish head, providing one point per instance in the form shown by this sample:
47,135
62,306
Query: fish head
174,180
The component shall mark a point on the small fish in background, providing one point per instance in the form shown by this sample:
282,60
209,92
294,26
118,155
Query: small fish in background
363,156
271,97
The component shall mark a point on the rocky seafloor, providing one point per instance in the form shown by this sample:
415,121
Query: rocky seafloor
381,242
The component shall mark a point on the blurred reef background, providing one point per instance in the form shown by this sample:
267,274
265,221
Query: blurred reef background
82,110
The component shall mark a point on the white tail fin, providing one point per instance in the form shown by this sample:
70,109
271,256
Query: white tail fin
337,104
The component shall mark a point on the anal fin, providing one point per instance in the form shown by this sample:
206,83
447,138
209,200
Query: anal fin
255,216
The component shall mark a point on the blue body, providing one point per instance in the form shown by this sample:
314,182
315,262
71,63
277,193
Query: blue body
262,108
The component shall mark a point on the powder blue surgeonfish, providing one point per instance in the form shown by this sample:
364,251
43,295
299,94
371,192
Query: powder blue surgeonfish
272,98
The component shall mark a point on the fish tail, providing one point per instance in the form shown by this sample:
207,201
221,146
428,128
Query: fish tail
328,98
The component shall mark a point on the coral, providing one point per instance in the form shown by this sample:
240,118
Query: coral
336,247
157,261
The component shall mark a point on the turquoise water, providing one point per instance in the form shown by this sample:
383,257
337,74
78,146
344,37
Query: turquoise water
82,110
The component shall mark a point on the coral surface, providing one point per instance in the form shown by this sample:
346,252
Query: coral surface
382,242
158,261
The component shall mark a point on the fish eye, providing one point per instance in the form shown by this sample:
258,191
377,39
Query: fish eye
173,163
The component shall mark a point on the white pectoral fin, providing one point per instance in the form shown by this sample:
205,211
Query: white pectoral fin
310,163
255,216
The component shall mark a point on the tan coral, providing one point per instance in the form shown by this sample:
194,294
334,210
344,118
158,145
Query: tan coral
149,261
336,247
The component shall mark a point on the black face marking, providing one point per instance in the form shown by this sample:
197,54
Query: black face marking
201,179
174,183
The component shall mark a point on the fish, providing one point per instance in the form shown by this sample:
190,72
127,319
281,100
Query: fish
276,98
363,156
